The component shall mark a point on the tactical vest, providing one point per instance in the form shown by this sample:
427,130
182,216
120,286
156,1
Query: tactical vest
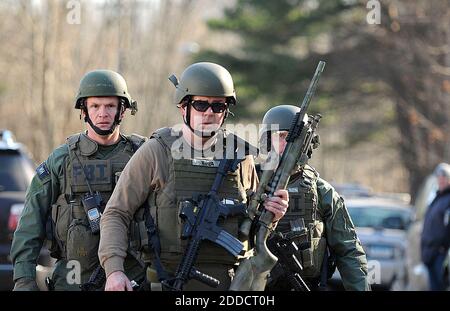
188,177
303,200
72,232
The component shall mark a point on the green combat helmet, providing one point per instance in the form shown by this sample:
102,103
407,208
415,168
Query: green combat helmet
104,83
280,118
203,79
100,83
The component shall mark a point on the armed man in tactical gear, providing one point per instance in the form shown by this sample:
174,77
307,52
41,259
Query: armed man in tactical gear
169,172
317,212
66,198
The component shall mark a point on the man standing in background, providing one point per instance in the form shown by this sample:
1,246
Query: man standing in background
435,239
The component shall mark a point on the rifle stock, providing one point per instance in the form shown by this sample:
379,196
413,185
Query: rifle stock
252,272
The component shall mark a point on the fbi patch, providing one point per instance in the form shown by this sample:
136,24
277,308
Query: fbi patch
42,172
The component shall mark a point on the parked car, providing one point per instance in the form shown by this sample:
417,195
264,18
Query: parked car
350,190
355,190
16,172
381,225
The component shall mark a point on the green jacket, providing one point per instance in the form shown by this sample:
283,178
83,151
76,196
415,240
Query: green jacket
323,211
47,185
341,237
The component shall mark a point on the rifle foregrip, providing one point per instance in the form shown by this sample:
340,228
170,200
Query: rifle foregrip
204,278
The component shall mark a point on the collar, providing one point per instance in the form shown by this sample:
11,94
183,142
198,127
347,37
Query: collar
443,192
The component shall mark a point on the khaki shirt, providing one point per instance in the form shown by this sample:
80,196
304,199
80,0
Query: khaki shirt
147,171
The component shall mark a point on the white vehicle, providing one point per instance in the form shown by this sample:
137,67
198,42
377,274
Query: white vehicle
417,273
381,225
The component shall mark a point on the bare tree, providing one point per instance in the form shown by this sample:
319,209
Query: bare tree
418,71
42,64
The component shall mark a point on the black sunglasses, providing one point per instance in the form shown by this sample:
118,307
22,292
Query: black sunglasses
203,105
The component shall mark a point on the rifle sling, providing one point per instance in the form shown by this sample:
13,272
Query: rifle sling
154,245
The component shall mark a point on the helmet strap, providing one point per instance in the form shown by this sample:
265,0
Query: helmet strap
187,121
98,130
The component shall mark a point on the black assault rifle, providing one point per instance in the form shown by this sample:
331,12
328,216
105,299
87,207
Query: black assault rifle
201,224
287,247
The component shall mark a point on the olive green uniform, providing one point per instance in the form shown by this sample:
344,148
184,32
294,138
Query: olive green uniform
53,208
327,220
156,176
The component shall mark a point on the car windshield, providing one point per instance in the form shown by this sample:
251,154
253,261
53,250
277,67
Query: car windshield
16,171
379,217
352,190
